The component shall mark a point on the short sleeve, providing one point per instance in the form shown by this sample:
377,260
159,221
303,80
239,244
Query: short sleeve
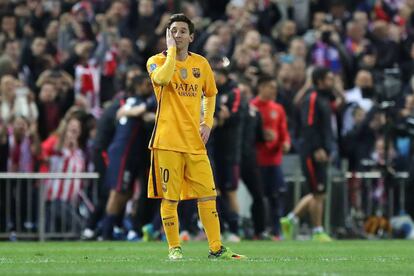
209,88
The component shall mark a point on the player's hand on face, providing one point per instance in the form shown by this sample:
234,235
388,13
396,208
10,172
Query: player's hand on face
169,39
204,132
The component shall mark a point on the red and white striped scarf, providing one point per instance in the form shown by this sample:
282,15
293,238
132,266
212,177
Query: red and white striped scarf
87,83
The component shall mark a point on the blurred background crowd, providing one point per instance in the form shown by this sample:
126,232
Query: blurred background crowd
65,63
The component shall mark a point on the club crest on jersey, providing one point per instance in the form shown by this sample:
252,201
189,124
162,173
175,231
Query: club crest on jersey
153,66
196,72
273,114
183,73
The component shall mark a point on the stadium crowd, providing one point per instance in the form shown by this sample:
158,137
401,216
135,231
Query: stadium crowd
69,69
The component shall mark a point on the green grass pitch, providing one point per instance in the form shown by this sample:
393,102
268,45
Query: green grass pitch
265,258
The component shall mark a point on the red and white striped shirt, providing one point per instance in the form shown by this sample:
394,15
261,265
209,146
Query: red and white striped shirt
66,161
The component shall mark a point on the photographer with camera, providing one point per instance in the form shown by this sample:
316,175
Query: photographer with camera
328,50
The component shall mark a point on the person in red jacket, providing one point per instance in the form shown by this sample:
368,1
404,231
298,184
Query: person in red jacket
269,153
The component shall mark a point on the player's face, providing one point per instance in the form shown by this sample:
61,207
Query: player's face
181,34
268,90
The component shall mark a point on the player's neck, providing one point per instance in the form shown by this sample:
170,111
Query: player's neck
182,54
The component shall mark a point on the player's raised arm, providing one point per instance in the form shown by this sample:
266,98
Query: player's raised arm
163,74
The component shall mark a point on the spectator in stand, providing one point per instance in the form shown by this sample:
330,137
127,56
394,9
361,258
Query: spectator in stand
356,115
386,160
299,77
267,66
55,98
311,35
16,100
8,27
326,51
126,58
266,50
212,46
227,39
361,96
387,49
355,41
298,49
52,33
286,32
35,60
404,143
24,147
407,67
241,61
9,59
251,43
63,152
284,80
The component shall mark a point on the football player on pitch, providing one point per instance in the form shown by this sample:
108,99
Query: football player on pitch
180,168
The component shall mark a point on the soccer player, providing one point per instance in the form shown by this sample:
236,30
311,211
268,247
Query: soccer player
180,168
125,154
269,153
317,143
227,149
252,133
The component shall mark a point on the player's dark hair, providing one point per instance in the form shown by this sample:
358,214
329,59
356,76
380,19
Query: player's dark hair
264,79
180,17
319,74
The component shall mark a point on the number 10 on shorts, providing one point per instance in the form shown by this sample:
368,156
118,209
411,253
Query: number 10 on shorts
165,175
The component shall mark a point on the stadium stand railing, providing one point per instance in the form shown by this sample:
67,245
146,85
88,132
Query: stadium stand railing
28,210
338,205
401,180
